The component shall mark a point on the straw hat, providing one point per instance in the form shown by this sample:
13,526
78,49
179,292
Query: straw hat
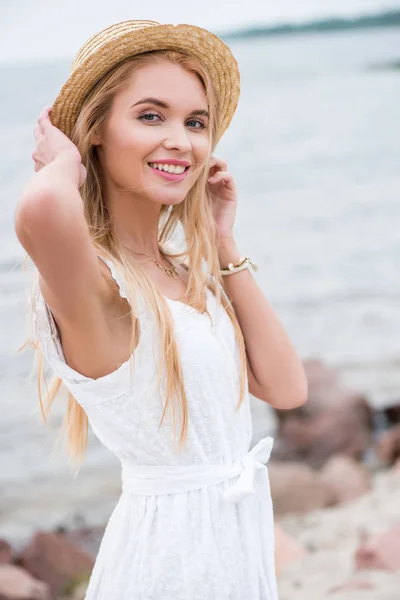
102,51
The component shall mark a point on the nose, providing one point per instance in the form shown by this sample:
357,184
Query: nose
177,139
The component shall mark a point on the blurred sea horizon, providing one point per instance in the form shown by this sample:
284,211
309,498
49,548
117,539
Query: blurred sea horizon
314,148
328,24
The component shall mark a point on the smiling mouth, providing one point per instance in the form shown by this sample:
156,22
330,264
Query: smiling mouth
170,176
171,169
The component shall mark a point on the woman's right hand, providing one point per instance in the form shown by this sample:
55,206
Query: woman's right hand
51,143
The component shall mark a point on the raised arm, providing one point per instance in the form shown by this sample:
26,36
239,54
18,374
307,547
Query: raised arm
50,225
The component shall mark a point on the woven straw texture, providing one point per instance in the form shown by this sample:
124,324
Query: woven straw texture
102,51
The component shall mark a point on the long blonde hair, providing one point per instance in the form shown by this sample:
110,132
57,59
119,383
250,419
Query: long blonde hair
194,215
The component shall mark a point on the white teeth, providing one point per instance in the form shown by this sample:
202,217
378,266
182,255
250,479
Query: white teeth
175,169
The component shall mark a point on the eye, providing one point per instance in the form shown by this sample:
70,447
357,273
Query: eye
150,117
202,125
143,117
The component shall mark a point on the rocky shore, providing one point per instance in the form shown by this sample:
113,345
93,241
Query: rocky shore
336,492
335,481
349,552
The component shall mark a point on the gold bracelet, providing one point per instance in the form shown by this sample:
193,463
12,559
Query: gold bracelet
243,263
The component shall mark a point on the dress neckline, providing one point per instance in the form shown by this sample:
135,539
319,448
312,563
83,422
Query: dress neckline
185,306
178,303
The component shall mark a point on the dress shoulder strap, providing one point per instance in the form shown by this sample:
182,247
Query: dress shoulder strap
116,275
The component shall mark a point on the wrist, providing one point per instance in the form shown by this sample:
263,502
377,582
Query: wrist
227,252
69,155
68,165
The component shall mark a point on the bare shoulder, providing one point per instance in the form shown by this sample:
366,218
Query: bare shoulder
75,283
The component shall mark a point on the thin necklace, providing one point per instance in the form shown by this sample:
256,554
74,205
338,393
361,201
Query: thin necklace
170,271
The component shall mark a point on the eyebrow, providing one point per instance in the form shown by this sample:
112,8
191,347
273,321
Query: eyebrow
162,104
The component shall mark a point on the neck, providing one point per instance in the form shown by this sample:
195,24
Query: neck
135,222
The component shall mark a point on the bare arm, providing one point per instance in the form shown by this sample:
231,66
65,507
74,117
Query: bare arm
50,225
275,371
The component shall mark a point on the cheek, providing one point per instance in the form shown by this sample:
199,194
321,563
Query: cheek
129,148
201,146
129,141
201,149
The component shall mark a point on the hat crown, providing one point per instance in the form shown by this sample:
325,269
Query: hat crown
111,46
99,39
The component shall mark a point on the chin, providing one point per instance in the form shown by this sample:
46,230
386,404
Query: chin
170,200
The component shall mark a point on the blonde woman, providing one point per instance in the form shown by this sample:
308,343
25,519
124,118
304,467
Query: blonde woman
158,348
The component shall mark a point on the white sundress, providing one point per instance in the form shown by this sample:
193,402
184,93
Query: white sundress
189,525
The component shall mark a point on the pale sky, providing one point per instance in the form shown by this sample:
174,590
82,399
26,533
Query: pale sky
52,29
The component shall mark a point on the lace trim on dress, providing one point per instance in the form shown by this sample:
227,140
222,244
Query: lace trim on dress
115,275
109,386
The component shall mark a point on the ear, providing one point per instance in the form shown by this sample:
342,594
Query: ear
95,140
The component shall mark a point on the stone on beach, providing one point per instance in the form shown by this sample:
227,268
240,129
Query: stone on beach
295,488
56,560
87,538
5,552
345,478
17,584
333,420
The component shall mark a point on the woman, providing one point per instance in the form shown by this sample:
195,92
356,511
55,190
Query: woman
150,341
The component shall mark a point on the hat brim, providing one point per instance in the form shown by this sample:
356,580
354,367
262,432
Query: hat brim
192,40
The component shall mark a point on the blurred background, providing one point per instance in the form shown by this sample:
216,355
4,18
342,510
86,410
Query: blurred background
314,148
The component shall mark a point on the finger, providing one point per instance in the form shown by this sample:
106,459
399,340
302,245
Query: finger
219,176
37,165
46,110
37,155
223,165
219,164
43,122
44,118
37,132
225,178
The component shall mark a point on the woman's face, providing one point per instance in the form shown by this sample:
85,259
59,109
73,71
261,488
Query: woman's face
160,116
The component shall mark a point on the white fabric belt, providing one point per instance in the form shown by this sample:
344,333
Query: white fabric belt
149,480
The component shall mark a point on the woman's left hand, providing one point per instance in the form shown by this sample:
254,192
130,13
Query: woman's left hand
224,198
